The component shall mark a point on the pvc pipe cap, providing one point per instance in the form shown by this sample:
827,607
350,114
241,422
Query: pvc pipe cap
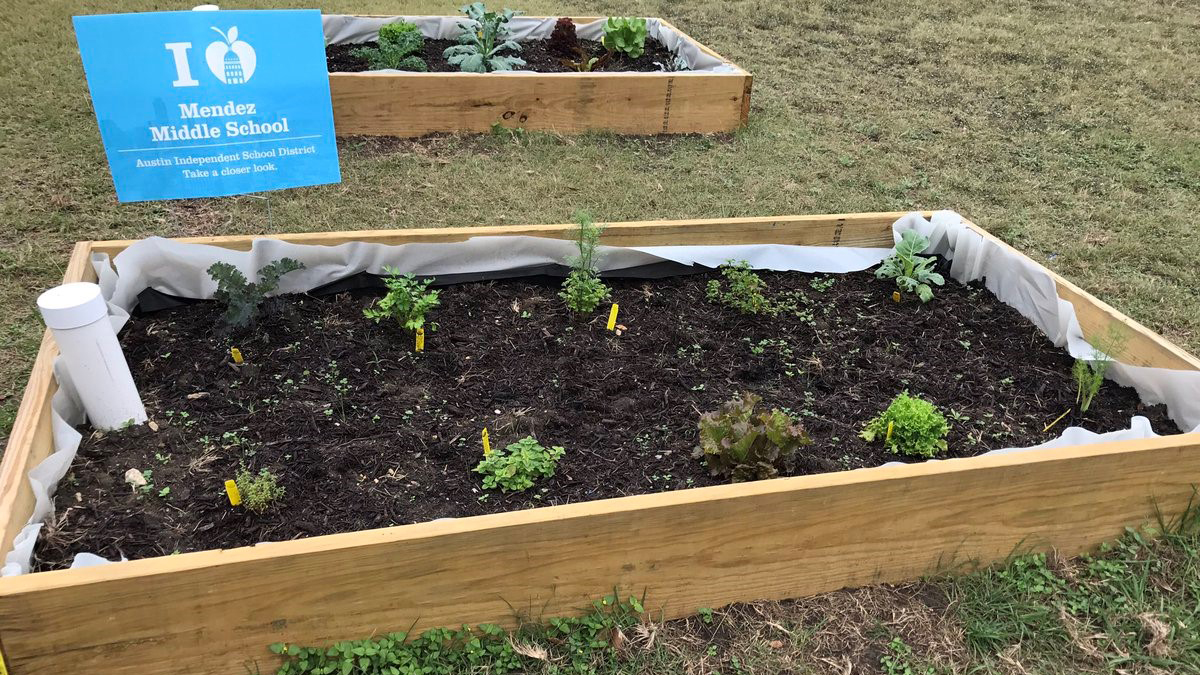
72,305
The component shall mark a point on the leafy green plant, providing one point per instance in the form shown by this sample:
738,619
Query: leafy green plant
259,491
916,427
586,62
563,39
398,45
1089,373
745,289
582,290
743,445
897,660
625,35
913,273
515,468
407,300
241,298
483,40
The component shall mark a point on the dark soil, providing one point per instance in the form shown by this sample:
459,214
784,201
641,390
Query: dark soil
365,433
537,55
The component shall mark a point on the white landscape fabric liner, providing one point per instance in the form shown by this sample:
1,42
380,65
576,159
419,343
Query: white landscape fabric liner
179,269
346,29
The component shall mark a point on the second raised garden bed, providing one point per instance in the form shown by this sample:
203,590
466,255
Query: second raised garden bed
677,86
357,448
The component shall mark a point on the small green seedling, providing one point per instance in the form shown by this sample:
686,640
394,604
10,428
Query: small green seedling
743,290
241,298
407,300
582,290
910,426
737,443
397,49
517,466
260,491
1089,373
482,39
913,273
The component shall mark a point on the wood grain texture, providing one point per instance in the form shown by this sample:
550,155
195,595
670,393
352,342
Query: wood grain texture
208,613
30,440
415,104
1143,346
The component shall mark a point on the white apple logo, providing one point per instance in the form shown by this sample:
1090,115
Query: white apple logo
232,61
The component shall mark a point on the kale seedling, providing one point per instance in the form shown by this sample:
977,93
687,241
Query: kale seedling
625,35
516,467
1089,373
917,428
582,290
407,300
737,443
398,45
483,40
258,492
745,291
242,299
913,273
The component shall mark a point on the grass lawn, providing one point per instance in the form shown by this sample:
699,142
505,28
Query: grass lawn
1068,127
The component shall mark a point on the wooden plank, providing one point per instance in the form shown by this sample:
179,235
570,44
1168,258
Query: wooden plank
212,612
414,104
1144,347
846,229
31,441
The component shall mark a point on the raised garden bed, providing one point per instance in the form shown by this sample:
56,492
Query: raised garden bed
208,612
623,95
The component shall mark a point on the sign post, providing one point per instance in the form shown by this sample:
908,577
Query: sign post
210,104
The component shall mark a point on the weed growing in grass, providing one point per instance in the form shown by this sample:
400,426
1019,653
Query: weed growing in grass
397,49
241,298
739,444
897,660
571,645
582,290
517,466
909,426
744,291
913,273
483,38
1089,373
407,300
260,491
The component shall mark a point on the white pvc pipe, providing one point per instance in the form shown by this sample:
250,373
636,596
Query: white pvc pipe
78,316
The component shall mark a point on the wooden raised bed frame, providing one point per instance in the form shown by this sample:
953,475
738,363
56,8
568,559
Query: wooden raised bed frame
414,104
214,612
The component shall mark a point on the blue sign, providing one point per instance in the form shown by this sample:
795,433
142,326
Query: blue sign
210,103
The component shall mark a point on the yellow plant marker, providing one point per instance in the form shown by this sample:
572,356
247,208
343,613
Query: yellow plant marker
236,354
235,497
889,436
895,296
612,317
1056,421
3,668
420,339
487,445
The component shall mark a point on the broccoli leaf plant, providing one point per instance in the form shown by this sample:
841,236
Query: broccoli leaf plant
242,298
482,41
913,273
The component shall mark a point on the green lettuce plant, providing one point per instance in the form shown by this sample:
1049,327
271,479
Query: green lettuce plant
517,466
407,300
482,41
913,273
739,443
625,35
917,428
398,45
582,290
242,298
